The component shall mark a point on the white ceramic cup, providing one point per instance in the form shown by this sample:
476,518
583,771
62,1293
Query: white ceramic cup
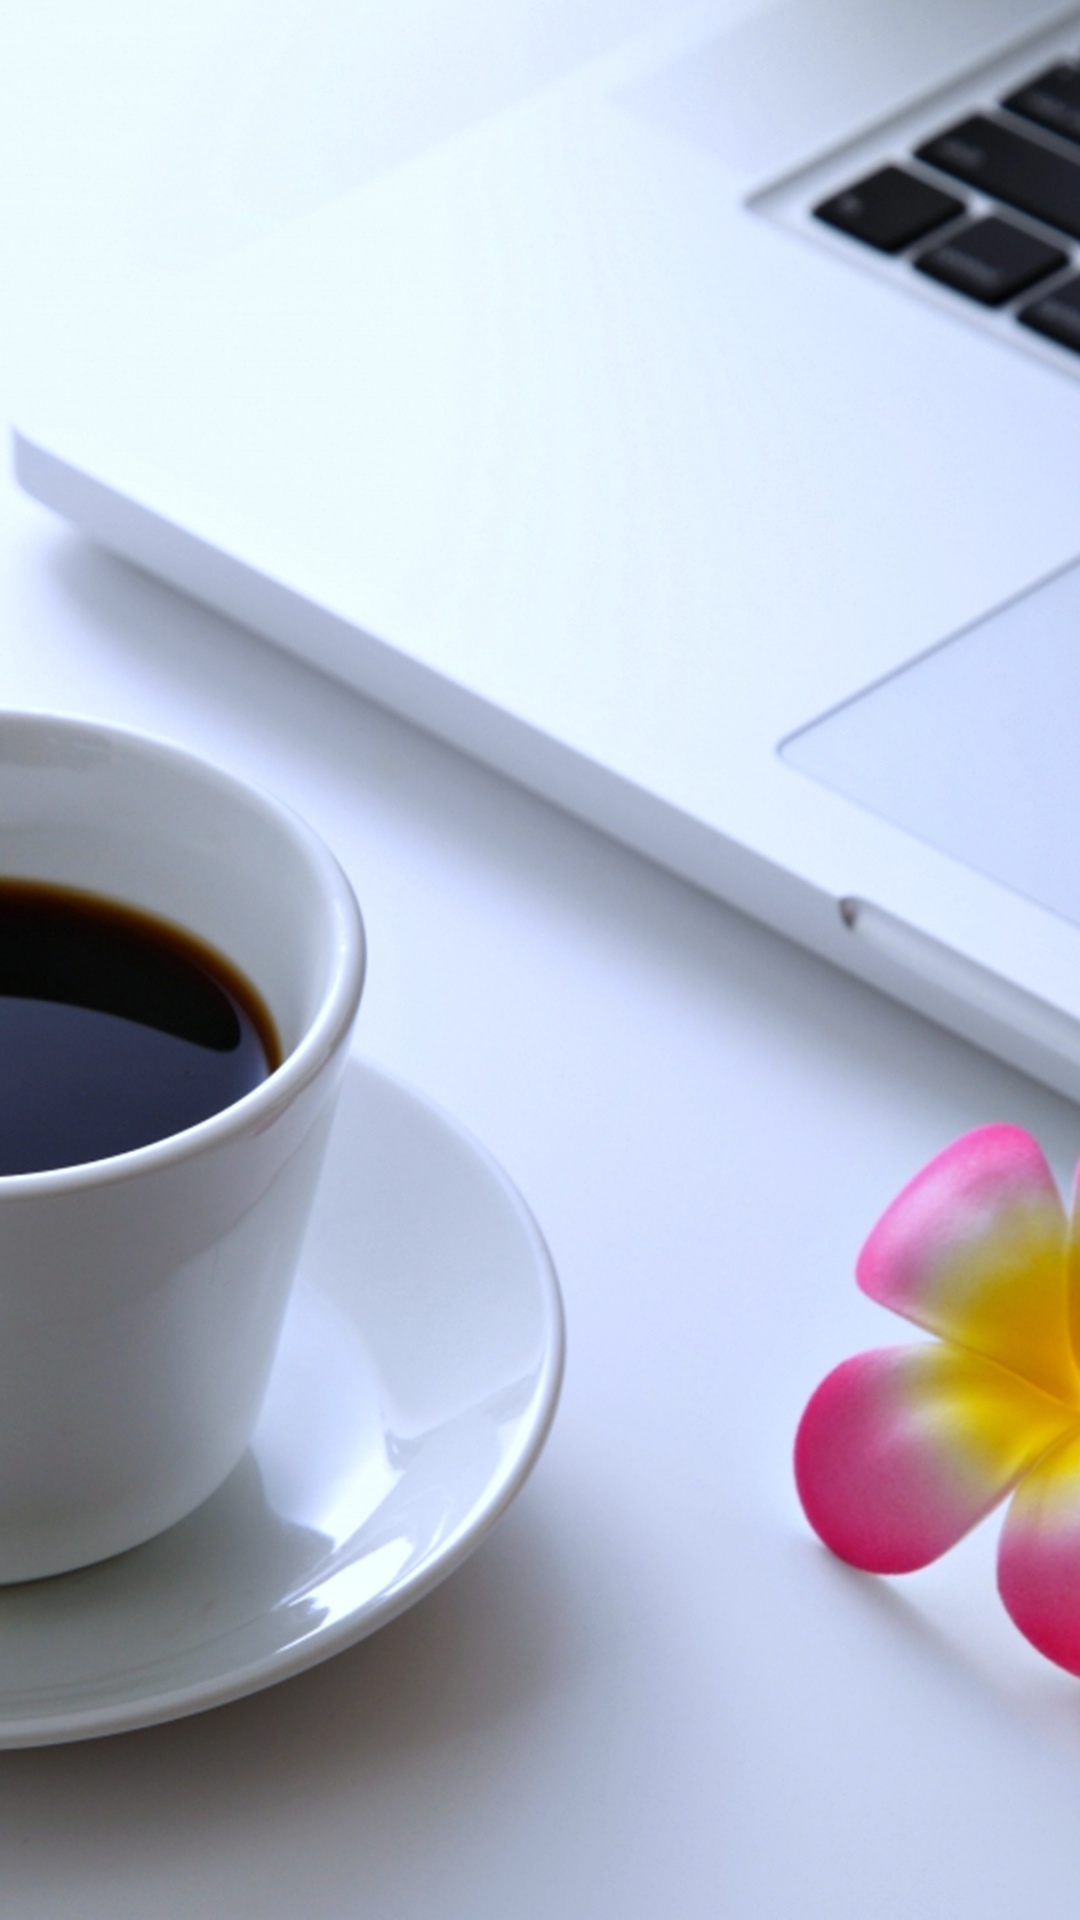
142,1296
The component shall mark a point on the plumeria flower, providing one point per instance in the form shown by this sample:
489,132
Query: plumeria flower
901,1451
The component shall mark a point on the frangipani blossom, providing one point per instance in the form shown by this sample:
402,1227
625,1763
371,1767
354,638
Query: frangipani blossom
901,1451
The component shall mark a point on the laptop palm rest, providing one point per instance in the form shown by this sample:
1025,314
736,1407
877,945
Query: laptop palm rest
975,746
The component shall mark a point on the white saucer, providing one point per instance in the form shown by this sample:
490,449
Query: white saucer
417,1379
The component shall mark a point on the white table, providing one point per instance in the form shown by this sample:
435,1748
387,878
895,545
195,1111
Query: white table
650,1693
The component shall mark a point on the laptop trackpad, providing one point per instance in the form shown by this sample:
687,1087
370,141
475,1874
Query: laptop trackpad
975,747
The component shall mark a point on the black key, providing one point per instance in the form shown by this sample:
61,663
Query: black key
1057,315
991,261
1051,100
890,210
1012,168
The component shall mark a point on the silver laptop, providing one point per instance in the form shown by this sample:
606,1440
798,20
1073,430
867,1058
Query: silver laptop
676,407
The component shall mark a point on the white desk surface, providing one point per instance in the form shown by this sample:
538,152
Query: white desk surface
650,1692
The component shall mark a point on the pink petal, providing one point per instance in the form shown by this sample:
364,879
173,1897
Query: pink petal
900,1452
974,1250
1073,1267
1039,1557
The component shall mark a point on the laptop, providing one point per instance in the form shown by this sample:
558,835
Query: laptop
676,407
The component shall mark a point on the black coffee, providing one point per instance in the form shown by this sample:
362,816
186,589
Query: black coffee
115,1029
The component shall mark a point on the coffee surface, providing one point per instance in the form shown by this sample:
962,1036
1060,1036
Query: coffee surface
115,1029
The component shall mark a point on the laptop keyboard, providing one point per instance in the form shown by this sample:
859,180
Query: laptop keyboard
1023,157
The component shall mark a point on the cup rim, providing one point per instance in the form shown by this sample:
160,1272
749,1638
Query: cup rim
254,1111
